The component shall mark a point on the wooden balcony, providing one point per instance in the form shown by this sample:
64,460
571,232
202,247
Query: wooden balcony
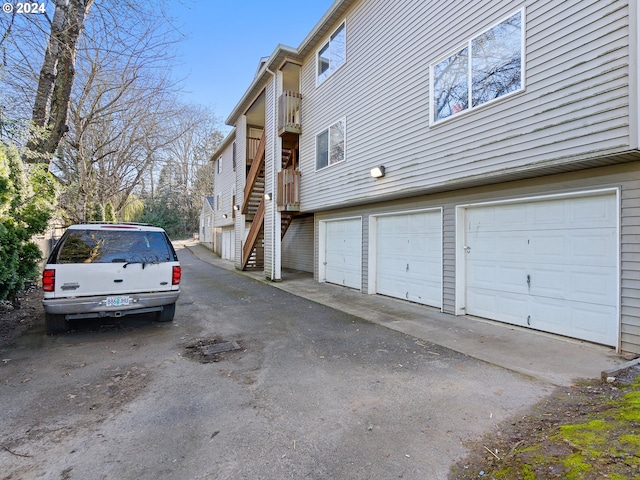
289,113
289,191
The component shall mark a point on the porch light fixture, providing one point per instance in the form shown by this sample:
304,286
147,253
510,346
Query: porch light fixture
224,215
267,196
236,208
377,172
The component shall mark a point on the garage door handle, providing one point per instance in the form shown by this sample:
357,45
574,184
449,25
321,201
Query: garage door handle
118,280
529,281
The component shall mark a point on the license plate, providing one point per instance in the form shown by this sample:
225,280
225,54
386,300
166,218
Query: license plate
120,301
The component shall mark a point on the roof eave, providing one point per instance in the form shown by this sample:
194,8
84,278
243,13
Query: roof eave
282,52
231,136
276,59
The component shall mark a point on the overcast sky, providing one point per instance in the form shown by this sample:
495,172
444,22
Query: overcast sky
228,38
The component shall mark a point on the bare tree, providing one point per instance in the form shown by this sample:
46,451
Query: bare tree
185,173
121,124
57,76
123,98
116,129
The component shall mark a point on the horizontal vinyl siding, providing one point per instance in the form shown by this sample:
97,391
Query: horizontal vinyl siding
449,259
297,245
575,105
241,155
223,184
630,263
270,213
364,287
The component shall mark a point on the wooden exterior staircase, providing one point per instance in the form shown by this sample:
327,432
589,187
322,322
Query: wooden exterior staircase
253,209
254,187
288,186
253,248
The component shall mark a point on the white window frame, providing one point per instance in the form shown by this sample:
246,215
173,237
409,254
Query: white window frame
218,202
219,169
468,45
322,76
328,131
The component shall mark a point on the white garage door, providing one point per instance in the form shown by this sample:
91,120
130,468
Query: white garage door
550,265
343,252
228,243
409,257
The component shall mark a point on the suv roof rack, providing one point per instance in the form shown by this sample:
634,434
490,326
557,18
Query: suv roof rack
92,222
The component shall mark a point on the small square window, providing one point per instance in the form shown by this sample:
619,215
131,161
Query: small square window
330,145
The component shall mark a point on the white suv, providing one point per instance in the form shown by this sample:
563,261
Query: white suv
110,270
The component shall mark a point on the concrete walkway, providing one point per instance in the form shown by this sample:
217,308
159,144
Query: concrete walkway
550,358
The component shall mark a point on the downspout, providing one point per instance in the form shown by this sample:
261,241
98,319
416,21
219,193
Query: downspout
273,175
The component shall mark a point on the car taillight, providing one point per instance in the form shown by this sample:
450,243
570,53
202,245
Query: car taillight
177,273
49,280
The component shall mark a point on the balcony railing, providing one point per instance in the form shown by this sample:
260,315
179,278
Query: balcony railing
289,113
252,148
289,191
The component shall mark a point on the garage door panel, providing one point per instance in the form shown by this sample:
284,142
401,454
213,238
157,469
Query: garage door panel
590,322
506,307
423,292
565,318
497,278
511,307
546,215
580,284
593,245
554,269
595,286
492,245
591,212
409,257
343,252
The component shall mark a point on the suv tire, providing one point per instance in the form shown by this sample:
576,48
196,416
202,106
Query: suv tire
167,313
55,324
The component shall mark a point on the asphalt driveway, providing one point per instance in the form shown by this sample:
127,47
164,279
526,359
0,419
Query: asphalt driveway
313,393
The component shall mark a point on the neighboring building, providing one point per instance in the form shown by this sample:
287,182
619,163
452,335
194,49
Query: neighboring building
206,222
224,173
507,140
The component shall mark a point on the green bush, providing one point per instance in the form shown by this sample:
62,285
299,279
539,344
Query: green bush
27,196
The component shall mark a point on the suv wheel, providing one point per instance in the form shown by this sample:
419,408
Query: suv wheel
167,313
55,323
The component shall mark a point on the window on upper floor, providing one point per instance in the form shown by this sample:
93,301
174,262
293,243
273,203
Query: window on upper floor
218,202
219,166
332,54
330,145
487,67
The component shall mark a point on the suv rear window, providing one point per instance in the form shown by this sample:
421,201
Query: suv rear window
109,246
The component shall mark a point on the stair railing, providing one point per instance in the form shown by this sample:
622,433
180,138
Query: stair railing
256,167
